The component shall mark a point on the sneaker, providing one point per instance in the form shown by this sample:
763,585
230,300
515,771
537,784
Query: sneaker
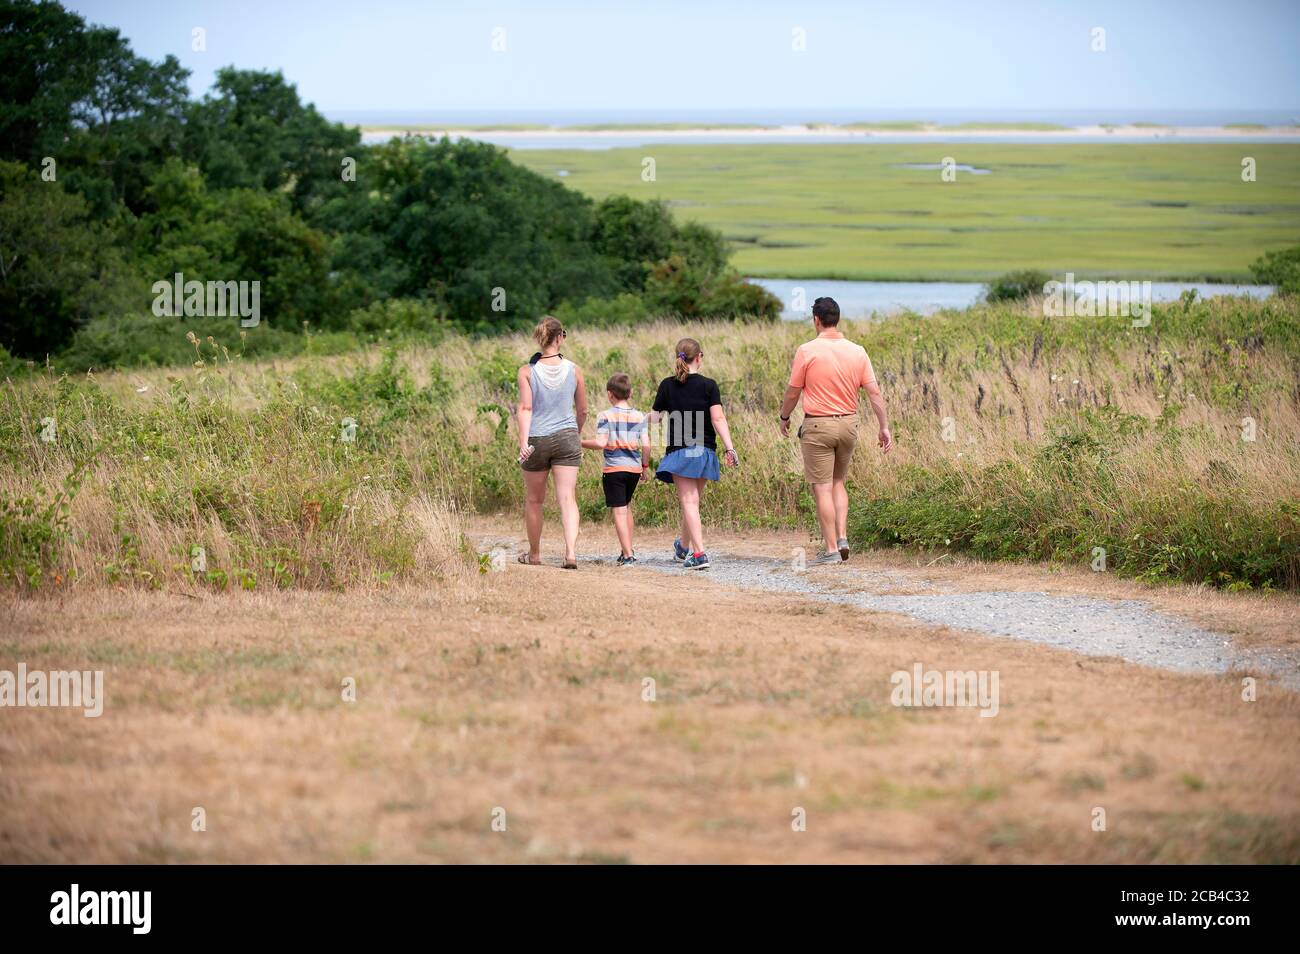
843,544
696,561
680,553
826,559
626,560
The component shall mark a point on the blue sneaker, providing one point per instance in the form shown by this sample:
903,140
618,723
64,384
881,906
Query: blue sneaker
680,553
626,560
696,561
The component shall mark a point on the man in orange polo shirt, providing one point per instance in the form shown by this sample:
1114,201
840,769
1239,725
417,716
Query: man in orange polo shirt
827,372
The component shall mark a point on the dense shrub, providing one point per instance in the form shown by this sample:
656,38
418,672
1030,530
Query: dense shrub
624,309
1014,286
134,340
1280,269
399,318
678,286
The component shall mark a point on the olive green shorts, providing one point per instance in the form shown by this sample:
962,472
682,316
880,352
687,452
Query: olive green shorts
561,449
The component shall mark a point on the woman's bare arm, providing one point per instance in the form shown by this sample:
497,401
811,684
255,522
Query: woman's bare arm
524,413
580,398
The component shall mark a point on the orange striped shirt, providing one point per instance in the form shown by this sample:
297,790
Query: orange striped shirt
622,429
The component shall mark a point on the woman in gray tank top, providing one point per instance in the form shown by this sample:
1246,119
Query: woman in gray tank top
552,409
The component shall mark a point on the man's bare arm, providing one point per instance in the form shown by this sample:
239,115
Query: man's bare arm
877,400
791,399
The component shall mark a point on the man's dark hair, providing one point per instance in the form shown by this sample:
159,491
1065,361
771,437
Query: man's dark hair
827,312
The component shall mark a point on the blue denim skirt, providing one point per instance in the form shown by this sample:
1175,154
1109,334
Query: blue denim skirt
696,461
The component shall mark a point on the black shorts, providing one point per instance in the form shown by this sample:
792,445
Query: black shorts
619,488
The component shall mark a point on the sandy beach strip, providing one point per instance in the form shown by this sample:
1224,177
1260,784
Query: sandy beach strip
815,133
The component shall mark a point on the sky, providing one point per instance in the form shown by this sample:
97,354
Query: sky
614,57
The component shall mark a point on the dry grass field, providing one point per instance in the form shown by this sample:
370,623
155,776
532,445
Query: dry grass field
328,557
522,691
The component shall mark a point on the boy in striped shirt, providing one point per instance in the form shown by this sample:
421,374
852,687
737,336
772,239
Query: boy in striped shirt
622,434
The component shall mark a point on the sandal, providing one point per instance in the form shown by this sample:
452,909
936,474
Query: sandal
570,565
523,558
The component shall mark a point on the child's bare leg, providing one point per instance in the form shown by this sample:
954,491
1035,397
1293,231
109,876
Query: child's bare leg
623,527
700,486
688,496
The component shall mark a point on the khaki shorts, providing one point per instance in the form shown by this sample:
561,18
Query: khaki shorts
827,444
561,449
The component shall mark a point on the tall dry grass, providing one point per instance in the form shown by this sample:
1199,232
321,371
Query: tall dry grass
1018,437
212,480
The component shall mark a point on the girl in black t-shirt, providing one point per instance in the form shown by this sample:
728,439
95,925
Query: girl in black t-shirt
692,405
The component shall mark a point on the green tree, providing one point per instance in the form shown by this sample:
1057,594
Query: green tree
703,246
78,95
458,224
58,267
248,185
632,236
236,235
635,236
252,131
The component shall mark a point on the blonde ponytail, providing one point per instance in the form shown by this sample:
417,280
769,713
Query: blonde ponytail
688,349
547,330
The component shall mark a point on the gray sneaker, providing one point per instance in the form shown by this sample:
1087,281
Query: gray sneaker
843,544
826,559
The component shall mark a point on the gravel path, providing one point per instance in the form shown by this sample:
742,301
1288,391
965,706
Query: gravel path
1129,629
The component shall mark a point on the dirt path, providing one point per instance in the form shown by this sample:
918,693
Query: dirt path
608,715
1103,621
